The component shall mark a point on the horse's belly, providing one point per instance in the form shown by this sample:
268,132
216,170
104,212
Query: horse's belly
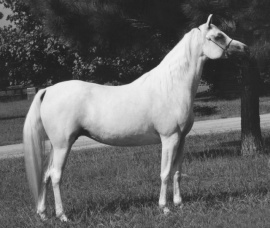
122,133
126,140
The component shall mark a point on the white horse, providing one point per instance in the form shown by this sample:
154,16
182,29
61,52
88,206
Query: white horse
157,107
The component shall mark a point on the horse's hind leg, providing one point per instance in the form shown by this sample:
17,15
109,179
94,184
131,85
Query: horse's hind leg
41,206
56,170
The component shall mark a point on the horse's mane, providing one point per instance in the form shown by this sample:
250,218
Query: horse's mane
183,50
176,62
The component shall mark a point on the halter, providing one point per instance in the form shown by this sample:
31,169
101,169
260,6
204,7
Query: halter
224,49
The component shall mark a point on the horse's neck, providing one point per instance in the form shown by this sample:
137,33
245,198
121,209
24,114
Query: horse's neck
185,63
180,70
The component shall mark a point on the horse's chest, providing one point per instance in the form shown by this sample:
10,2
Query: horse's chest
173,118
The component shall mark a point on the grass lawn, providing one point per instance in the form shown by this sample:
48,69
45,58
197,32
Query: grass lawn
119,187
12,114
14,109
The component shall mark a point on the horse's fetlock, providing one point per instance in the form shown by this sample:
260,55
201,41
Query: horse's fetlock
164,178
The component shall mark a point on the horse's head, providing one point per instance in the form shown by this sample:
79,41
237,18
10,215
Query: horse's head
216,44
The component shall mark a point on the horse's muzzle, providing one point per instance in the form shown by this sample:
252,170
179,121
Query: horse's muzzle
238,49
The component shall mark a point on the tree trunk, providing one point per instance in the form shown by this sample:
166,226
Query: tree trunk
251,138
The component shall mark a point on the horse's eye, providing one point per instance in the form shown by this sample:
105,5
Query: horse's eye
219,36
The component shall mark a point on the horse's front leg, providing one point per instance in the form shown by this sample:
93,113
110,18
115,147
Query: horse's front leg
169,149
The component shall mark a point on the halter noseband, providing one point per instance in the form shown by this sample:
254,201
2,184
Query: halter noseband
224,49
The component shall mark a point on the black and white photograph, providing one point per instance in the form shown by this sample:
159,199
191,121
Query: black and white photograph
135,114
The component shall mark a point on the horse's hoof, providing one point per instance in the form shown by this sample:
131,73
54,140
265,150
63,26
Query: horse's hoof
63,218
42,216
165,210
179,205
178,202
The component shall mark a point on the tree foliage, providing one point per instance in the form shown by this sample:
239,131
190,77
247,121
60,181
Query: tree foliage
27,55
117,40
111,24
138,33
30,52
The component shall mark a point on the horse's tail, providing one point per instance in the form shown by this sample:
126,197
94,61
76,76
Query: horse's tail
34,145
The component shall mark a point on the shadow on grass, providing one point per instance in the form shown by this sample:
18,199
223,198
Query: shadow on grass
218,199
212,200
113,206
267,141
205,110
217,98
228,149
204,155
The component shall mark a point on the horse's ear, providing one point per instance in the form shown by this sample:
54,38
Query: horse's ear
209,21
